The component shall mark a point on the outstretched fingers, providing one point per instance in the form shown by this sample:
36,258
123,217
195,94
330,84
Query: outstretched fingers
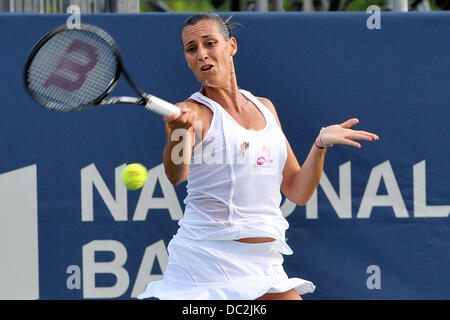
358,134
361,135
349,123
343,134
348,142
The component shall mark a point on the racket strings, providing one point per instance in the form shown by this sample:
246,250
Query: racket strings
72,69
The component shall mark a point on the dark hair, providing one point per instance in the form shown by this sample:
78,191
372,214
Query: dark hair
222,25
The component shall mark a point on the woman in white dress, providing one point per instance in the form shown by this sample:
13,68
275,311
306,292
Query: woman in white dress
229,146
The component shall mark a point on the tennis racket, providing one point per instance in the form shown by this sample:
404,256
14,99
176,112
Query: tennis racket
75,69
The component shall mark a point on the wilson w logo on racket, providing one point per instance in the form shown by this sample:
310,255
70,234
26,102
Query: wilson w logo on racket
74,69
78,60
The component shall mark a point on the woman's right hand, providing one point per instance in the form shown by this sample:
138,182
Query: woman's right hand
183,120
180,141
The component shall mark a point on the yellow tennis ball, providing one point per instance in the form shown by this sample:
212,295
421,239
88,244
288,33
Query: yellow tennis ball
134,176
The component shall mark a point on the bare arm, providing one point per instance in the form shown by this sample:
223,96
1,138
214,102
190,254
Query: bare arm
299,182
180,141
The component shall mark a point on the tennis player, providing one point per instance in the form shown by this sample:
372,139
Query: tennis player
231,240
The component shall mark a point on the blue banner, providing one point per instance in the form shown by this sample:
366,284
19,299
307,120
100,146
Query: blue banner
377,226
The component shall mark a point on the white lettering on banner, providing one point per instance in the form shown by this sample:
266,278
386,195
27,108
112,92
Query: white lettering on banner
169,200
421,210
115,267
393,199
118,206
342,202
374,280
287,207
144,276
19,253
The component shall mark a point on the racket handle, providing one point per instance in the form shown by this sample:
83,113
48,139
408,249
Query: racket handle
160,106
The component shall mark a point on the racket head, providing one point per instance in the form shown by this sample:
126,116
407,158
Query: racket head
72,69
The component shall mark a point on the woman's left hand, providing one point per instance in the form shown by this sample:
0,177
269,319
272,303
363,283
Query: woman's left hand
342,134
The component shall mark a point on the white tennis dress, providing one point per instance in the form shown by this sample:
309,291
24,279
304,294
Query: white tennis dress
233,192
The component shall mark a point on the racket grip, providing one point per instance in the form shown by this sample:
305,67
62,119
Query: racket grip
160,106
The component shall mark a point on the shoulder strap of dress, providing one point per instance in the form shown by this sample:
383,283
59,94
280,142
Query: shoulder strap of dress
200,98
261,106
